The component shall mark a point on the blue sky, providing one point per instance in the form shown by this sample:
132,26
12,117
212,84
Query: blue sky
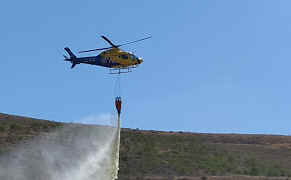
211,66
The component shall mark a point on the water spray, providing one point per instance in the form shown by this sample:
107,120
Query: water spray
72,152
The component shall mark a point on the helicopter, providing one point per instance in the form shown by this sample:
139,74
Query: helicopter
117,60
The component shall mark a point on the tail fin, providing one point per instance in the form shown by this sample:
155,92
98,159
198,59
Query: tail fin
72,55
73,65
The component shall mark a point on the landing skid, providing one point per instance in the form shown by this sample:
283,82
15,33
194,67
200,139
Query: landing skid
121,70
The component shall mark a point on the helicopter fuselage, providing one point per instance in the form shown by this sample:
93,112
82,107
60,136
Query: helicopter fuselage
113,58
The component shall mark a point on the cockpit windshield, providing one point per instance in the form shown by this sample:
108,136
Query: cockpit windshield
132,57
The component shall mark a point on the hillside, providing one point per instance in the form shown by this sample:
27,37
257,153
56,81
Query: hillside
176,155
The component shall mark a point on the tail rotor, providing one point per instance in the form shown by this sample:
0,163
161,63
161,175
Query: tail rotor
66,57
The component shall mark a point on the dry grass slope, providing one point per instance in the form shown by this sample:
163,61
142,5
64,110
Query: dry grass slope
177,155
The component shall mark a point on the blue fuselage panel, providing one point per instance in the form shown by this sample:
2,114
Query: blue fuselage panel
96,60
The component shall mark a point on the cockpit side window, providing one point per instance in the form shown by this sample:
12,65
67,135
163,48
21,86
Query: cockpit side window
132,57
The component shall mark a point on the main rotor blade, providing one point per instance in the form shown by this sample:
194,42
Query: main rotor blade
113,45
95,50
107,40
134,41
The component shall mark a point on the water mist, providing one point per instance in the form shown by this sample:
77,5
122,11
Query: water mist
73,152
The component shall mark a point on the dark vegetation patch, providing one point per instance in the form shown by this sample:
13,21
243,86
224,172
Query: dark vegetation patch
162,154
